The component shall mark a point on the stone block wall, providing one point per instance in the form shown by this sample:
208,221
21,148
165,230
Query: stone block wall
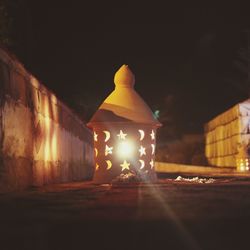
41,140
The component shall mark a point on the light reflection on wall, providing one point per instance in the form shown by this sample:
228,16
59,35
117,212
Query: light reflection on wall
54,152
50,131
43,138
59,150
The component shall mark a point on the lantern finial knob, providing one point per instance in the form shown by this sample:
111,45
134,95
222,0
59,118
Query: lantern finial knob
124,77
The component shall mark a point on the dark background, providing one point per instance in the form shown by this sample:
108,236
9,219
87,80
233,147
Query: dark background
188,59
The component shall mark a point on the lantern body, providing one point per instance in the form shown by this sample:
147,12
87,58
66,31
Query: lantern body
122,149
124,131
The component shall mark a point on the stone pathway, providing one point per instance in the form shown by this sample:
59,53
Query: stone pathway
167,215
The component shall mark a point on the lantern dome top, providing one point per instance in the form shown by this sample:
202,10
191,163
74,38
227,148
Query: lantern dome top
124,77
124,104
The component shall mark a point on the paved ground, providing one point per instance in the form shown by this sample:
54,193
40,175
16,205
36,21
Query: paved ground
167,215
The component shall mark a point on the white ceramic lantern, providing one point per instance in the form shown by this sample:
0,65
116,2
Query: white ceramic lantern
124,133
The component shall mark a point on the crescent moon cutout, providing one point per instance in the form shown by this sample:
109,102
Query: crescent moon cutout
96,152
142,164
95,136
109,163
152,163
153,148
142,134
96,166
107,134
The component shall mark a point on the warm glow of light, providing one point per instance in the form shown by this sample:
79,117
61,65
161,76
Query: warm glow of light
125,165
121,135
47,151
47,123
96,166
50,139
243,164
142,164
109,164
47,145
152,135
142,151
95,136
54,107
125,149
54,147
153,148
142,134
107,135
108,150
96,152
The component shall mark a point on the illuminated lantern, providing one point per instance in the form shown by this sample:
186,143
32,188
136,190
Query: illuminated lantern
124,133
242,158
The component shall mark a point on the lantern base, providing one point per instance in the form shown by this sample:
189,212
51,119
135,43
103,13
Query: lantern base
128,178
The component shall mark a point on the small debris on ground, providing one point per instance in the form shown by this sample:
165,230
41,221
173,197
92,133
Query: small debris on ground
105,185
196,180
126,178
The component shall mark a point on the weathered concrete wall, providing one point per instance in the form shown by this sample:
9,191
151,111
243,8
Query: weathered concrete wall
42,140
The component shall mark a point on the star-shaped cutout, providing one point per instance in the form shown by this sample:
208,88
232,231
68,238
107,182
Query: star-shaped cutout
142,151
108,150
95,136
121,135
152,135
125,165
151,163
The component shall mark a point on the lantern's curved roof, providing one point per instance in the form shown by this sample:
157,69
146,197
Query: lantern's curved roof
124,104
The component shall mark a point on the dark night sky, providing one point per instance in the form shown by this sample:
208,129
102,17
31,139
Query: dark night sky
182,51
